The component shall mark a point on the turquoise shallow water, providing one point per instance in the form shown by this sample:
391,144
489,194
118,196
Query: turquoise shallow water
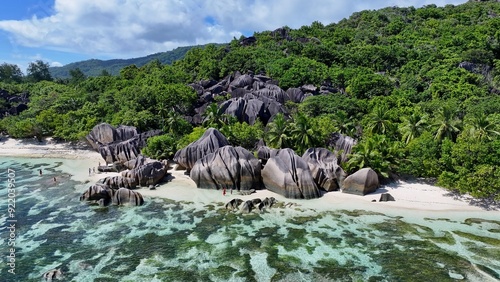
166,240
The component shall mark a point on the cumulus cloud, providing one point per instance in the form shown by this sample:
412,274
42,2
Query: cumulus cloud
125,28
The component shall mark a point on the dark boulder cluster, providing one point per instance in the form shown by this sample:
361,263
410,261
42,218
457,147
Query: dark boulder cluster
12,104
104,195
121,147
213,164
250,205
252,96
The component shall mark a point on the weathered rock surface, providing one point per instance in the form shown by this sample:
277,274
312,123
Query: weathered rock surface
148,174
228,167
104,195
119,144
289,175
127,197
324,168
211,140
116,182
362,182
342,144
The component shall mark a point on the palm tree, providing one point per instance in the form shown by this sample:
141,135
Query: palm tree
302,132
446,124
277,132
379,122
412,126
212,117
481,128
344,123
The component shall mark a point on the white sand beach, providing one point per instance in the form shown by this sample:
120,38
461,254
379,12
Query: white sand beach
409,196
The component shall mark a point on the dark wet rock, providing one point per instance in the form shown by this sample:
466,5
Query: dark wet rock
95,193
233,204
211,140
362,182
324,168
247,207
124,197
53,274
267,203
386,197
228,167
241,81
289,175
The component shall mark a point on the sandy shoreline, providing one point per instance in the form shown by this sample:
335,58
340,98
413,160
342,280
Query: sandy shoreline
410,197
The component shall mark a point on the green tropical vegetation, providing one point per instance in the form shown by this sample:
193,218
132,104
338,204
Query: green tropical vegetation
418,88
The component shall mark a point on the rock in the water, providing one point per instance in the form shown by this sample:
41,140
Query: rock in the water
386,197
247,207
324,168
289,175
115,182
54,274
228,167
234,204
211,140
124,196
362,182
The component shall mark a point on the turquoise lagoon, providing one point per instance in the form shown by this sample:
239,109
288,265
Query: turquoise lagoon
166,240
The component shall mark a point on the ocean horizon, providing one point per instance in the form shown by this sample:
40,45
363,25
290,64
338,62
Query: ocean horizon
166,240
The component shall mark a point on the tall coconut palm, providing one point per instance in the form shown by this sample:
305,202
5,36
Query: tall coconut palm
446,124
302,133
481,128
379,122
412,126
277,134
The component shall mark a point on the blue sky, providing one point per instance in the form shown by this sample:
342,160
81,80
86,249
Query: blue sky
64,31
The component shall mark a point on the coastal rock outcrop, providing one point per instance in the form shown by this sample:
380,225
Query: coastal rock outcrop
148,174
327,174
120,144
342,144
211,140
289,175
228,167
104,195
362,182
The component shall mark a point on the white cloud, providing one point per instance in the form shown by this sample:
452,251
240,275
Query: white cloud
127,28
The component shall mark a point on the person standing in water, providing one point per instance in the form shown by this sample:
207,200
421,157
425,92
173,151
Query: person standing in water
40,172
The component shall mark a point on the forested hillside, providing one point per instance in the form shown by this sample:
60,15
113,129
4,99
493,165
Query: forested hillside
96,67
417,88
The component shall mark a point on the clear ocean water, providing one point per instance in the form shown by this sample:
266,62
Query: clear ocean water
166,240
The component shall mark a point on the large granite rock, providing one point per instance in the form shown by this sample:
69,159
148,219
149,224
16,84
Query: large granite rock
148,174
342,145
362,182
228,167
211,140
324,168
120,144
289,175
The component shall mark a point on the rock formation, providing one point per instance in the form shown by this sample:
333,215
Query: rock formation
119,144
228,167
289,175
147,174
362,182
211,140
324,168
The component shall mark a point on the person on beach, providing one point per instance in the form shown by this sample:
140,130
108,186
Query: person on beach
90,171
93,170
224,191
55,180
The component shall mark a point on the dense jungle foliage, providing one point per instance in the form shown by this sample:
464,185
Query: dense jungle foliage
418,89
